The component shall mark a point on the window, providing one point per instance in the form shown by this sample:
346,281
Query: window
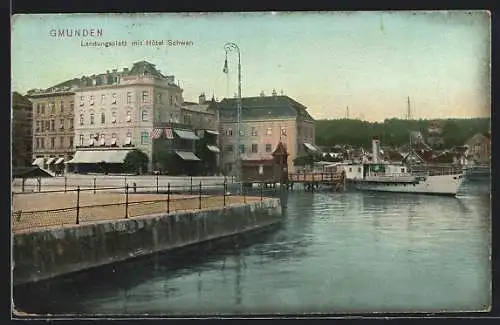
350,169
82,100
242,132
242,148
269,131
229,148
42,143
43,108
81,140
283,131
37,126
229,167
70,142
159,99
38,108
144,138
91,100
129,118
113,135
61,142
103,118
113,101
402,170
81,119
229,132
37,143
71,106
129,134
91,118
52,125
52,142
255,148
254,131
61,124
145,96
144,115
103,99
62,106
70,122
129,98
268,147
52,107
359,169
113,117
158,115
171,100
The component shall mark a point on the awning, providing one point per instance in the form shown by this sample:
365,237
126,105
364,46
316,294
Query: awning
213,148
188,135
212,132
50,160
58,161
38,161
97,156
310,146
187,155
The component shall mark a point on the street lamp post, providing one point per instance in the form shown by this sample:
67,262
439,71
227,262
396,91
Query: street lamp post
229,47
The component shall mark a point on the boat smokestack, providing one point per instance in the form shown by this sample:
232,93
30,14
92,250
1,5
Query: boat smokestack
375,149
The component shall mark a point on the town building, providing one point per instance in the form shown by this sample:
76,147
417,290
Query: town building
203,117
53,125
479,148
22,131
119,111
265,122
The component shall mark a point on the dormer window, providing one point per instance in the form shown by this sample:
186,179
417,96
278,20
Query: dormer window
129,118
113,117
114,98
82,100
91,100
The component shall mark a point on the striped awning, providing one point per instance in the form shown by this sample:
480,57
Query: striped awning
59,161
50,160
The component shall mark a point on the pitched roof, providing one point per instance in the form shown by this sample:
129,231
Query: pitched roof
20,100
265,107
28,172
145,68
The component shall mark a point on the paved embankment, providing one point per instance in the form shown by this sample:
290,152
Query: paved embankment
49,253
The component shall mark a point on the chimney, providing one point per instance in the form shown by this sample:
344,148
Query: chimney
170,79
262,94
202,99
274,92
375,149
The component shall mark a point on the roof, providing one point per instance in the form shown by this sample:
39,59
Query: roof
20,100
145,68
28,172
264,107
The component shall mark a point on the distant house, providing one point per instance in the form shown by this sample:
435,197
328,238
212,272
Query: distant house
479,148
392,156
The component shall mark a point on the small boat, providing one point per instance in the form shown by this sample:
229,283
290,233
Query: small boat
382,176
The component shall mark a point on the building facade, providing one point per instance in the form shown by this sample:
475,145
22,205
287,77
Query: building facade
265,122
119,111
53,125
479,148
22,131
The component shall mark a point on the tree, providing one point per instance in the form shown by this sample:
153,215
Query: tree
136,161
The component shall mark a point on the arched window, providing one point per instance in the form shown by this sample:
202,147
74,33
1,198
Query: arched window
103,118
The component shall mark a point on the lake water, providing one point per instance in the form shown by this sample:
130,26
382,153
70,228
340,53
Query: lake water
334,253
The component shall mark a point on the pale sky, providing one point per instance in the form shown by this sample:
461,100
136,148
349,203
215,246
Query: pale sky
369,61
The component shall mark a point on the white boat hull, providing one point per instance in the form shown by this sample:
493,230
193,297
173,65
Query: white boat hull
437,185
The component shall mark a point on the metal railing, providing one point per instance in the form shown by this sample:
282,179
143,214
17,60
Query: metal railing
86,205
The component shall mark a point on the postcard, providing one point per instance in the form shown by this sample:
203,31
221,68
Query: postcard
259,163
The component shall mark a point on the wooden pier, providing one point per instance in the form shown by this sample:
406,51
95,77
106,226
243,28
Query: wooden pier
311,181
